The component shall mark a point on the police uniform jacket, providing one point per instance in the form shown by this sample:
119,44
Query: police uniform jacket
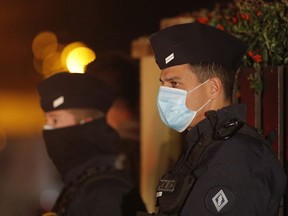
97,186
237,175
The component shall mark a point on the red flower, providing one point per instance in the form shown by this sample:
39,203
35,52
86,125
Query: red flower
245,16
203,20
234,20
258,13
257,58
219,26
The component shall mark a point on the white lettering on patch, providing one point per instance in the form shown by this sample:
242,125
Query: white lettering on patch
159,194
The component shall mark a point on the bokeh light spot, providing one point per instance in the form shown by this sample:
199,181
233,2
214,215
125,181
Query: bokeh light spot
78,58
44,44
52,64
67,50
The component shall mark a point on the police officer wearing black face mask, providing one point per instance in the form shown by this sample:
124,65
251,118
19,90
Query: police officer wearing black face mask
84,148
226,168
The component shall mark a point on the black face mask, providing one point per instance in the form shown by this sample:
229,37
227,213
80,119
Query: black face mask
71,146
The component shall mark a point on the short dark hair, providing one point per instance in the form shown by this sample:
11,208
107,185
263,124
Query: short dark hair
205,71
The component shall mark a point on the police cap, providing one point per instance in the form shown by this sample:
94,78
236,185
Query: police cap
66,90
196,43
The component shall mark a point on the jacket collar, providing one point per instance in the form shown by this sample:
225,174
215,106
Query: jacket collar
204,127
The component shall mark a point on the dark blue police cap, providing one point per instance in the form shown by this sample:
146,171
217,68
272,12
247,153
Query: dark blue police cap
66,90
196,43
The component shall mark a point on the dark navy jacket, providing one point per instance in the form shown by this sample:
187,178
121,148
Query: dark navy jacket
98,186
241,175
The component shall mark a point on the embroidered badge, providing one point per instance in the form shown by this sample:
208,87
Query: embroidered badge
166,185
220,200
169,58
58,101
159,194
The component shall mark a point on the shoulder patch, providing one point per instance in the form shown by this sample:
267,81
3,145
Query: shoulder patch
219,200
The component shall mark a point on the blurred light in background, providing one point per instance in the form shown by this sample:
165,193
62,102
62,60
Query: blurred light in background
52,64
51,57
44,44
78,58
69,48
20,114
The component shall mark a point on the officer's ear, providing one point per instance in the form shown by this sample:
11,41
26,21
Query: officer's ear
215,87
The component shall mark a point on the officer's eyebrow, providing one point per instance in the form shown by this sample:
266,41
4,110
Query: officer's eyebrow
169,79
52,115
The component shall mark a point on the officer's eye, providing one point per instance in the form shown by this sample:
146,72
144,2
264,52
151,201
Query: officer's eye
54,121
174,84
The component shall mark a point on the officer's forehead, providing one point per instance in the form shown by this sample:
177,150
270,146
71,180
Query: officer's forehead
178,72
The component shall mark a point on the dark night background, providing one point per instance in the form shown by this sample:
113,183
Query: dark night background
101,24
26,172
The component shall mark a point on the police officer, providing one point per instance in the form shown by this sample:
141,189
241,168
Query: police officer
226,168
84,148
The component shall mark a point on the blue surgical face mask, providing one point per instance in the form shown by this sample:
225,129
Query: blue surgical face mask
172,107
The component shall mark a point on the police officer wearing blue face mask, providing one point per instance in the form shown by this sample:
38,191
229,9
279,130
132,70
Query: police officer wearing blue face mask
226,168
